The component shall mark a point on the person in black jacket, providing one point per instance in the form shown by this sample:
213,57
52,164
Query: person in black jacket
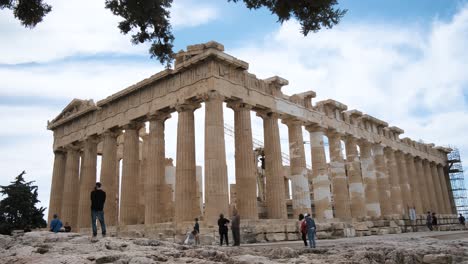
98,198
223,229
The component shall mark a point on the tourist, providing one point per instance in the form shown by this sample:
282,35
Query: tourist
196,228
303,228
190,239
235,227
98,198
66,228
461,219
429,220
311,230
434,221
223,230
55,224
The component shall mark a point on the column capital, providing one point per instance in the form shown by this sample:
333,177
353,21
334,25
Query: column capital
60,150
315,128
133,125
267,113
159,116
187,106
112,133
93,139
331,133
290,120
76,146
212,96
238,105
364,142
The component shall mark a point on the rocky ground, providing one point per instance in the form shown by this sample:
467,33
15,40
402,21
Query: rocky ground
423,247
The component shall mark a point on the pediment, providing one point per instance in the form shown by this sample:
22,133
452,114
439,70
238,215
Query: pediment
75,108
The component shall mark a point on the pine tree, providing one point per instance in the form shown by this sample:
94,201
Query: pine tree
18,208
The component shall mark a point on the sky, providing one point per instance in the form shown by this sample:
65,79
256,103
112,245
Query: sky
405,62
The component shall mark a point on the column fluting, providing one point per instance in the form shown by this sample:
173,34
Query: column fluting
356,187
415,187
87,181
395,189
110,177
438,189
369,180
70,188
56,188
430,188
445,194
404,182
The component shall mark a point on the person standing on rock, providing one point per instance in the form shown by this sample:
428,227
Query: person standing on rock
429,220
196,228
461,219
223,229
434,222
311,230
235,227
98,198
303,228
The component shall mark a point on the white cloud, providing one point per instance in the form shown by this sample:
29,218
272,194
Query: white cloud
82,27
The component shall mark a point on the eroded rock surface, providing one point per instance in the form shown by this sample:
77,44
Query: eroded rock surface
45,247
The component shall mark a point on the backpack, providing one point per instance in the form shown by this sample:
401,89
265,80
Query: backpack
303,227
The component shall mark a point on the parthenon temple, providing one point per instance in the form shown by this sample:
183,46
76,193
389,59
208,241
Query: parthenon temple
380,175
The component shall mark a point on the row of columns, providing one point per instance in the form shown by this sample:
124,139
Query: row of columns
378,181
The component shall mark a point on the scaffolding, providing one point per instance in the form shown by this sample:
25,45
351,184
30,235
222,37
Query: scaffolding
457,181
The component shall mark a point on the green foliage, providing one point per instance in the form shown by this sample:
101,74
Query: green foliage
148,20
29,12
311,14
18,209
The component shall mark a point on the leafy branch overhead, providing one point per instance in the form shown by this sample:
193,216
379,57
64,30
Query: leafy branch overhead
148,20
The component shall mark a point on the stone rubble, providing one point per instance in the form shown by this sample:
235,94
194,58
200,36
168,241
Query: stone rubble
44,247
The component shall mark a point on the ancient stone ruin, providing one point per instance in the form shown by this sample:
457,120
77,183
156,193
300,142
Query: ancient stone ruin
367,191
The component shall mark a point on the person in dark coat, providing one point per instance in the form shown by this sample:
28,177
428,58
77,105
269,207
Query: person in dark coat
461,219
98,198
311,230
235,227
196,228
434,221
223,230
303,228
429,220
55,224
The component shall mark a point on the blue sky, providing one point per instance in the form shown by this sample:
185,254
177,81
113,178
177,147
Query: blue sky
401,61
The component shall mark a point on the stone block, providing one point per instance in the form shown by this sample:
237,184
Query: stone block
349,232
273,237
361,226
437,259
324,235
337,226
324,226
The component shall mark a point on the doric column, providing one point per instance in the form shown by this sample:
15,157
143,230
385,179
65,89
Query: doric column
413,179
56,188
299,180
383,180
87,181
392,168
320,178
130,172
216,179
369,180
438,189
453,208
246,181
275,200
155,174
443,184
338,177
142,172
423,191
110,177
430,188
404,182
356,188
70,187
186,203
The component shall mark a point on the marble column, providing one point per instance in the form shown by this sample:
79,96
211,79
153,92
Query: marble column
423,191
216,179
338,177
299,181
453,208
143,172
186,203
87,181
70,188
130,173
443,184
395,189
383,180
320,178
415,187
275,200
356,187
369,180
430,188
56,188
110,177
438,189
246,178
156,169
404,182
